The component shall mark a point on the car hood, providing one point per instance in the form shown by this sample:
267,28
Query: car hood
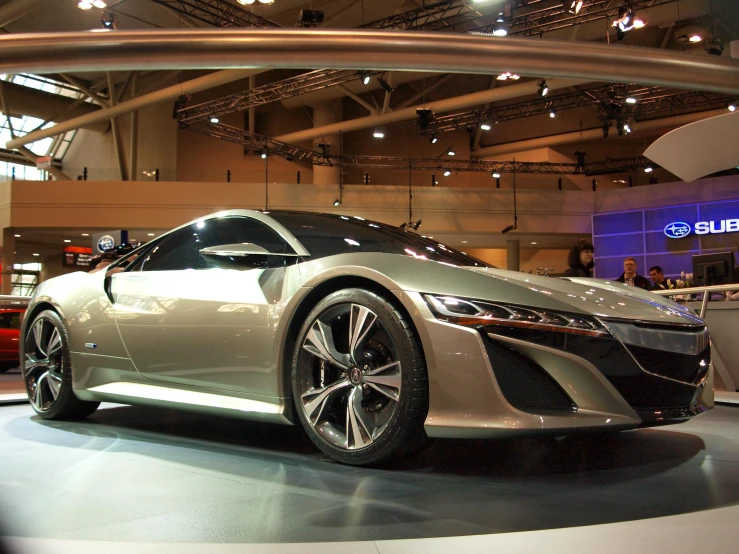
584,296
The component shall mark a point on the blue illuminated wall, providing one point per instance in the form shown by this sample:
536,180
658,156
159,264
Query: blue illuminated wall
640,235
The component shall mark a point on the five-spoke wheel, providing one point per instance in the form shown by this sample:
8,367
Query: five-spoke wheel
47,369
359,379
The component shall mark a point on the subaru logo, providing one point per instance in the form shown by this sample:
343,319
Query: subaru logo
677,229
106,242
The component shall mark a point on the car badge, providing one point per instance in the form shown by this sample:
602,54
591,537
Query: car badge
677,229
91,345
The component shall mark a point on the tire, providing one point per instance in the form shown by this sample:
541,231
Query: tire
47,370
367,403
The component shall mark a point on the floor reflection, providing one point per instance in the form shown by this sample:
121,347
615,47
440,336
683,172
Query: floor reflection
262,483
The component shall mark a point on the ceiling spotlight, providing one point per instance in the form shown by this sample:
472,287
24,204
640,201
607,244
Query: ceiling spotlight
572,6
434,139
246,2
695,38
99,4
266,1
627,128
731,107
108,21
447,173
485,126
337,202
630,100
543,88
552,113
508,75
84,5
450,151
714,46
264,154
509,229
495,175
500,29
378,134
648,169
214,119
366,77
384,84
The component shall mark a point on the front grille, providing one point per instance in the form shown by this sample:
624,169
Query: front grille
681,367
524,384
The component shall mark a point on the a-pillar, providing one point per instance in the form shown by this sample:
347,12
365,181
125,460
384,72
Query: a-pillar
513,255
326,113
8,260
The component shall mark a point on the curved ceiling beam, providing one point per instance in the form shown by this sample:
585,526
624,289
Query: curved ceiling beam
361,49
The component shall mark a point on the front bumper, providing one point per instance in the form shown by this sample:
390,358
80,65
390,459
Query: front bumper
502,382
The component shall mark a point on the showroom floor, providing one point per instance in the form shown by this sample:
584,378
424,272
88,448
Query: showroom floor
148,475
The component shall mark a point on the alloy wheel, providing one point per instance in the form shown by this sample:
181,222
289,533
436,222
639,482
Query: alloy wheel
43,364
350,376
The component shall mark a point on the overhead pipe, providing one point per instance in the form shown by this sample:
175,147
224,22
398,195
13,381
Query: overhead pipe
449,104
169,93
362,49
640,127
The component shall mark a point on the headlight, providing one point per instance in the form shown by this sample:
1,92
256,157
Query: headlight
472,313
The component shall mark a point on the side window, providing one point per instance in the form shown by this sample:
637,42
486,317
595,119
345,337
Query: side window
181,249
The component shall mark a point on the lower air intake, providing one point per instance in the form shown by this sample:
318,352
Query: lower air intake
525,384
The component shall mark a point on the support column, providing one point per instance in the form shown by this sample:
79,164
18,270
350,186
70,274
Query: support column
327,113
133,150
513,255
8,260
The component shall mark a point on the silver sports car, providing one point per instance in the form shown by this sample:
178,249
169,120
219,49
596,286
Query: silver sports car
371,337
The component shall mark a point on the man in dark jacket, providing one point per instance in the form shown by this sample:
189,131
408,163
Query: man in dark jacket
631,277
580,260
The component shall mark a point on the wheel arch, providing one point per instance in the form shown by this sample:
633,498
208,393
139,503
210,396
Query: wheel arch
38,307
310,301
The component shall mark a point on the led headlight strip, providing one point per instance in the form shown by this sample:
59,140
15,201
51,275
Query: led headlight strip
474,313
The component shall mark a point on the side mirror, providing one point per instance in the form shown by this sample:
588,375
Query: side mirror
246,254
237,250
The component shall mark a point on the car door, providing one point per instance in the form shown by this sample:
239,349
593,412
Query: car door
189,320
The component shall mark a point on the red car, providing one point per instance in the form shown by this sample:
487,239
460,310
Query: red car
10,324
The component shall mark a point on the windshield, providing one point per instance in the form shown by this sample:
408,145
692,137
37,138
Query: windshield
328,234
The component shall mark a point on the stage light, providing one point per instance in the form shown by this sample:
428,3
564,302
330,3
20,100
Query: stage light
450,151
495,175
378,134
434,139
648,169
500,29
630,100
552,113
572,6
384,84
108,21
509,229
485,126
214,119
731,107
543,88
366,77
447,173
264,154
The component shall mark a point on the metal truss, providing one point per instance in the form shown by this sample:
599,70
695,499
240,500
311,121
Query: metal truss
262,144
217,12
524,17
651,101
293,86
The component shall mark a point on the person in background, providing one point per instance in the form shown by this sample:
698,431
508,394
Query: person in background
657,275
631,277
580,260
